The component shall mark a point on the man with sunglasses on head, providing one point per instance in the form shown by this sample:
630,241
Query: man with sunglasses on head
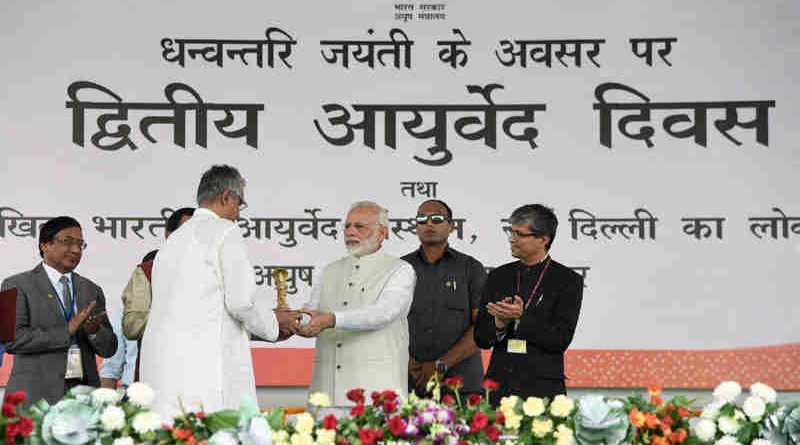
196,344
358,312
446,300
61,322
529,310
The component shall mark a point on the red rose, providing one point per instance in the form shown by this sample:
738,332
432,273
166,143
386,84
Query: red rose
454,382
367,437
9,410
15,398
12,429
479,422
26,426
376,398
397,426
500,417
356,396
389,395
357,410
448,399
389,407
474,399
201,414
342,441
683,412
490,384
493,433
329,422
379,433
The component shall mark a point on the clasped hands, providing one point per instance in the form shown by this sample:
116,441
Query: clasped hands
86,320
289,322
505,311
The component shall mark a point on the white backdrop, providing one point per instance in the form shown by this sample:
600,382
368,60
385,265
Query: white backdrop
674,291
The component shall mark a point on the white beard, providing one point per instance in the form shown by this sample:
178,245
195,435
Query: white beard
364,247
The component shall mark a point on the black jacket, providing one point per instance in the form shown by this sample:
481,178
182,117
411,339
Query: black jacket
547,328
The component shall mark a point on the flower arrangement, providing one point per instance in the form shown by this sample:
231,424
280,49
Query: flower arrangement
656,422
725,422
14,428
106,417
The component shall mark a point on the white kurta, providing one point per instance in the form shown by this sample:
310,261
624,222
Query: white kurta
368,348
196,344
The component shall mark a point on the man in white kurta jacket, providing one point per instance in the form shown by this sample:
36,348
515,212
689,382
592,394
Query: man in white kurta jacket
196,344
359,312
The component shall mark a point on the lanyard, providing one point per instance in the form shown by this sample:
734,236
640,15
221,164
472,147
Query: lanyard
538,282
68,315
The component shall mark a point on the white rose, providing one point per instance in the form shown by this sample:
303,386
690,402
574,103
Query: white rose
127,440
704,429
325,436
280,436
561,406
222,437
765,392
302,439
305,423
113,418
533,407
727,440
711,411
755,408
140,394
146,421
319,399
564,435
728,425
541,427
508,403
104,396
727,391
513,421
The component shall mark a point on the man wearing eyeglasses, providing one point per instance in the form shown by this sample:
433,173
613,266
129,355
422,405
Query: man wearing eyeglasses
358,312
529,310
446,298
61,322
196,343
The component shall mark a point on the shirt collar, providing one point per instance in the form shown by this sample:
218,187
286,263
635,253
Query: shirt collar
55,275
448,252
535,268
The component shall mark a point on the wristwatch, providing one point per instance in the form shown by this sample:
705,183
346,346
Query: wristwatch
441,367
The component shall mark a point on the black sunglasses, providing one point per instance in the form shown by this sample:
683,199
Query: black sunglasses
435,219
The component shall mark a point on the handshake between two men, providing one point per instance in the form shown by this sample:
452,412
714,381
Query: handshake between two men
303,322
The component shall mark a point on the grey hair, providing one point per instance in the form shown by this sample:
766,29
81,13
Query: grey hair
383,214
216,180
540,219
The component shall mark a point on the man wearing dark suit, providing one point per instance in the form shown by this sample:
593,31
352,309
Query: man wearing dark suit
61,321
529,310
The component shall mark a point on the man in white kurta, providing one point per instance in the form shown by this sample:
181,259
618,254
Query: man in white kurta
359,313
196,344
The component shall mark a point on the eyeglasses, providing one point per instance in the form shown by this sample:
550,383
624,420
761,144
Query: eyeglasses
71,242
517,234
434,218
